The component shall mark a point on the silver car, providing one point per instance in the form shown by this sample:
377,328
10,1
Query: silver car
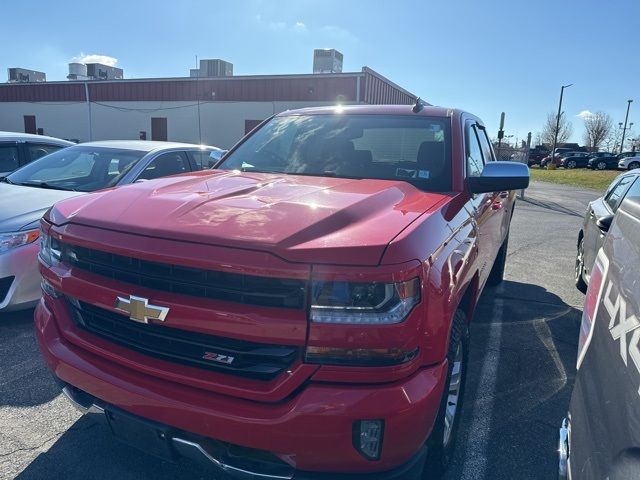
17,149
29,191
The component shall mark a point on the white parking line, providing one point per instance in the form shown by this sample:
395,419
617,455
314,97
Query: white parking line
475,463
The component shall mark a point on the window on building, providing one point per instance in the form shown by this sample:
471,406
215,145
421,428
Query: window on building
30,124
159,130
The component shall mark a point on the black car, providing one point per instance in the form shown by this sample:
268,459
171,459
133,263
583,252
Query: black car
603,161
599,215
575,160
600,438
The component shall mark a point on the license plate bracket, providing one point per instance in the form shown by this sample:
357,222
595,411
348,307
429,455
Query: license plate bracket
148,436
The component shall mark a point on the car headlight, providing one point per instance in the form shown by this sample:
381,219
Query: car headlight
363,303
17,239
50,249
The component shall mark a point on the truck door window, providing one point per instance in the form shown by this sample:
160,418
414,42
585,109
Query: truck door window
487,151
474,152
616,195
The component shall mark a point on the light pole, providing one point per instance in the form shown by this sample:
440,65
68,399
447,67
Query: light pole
624,130
555,134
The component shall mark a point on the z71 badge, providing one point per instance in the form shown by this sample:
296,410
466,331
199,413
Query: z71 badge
218,358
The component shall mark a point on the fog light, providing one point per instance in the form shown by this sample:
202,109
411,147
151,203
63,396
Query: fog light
367,438
49,289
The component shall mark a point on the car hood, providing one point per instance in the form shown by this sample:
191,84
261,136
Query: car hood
298,218
22,206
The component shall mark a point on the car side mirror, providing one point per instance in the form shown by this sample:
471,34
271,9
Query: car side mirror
500,177
604,223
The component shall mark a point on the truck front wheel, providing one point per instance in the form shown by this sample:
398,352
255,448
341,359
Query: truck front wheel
441,442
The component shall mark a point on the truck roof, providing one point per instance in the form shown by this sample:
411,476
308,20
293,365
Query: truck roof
428,110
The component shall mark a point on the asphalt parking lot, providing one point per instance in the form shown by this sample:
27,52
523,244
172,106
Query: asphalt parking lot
522,365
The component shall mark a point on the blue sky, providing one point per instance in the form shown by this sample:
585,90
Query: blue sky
483,56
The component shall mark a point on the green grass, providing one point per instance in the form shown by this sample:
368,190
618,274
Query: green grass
593,179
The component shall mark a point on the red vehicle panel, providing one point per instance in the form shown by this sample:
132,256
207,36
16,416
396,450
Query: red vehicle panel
313,317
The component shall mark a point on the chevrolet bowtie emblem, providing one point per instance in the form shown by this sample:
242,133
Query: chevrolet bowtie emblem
139,309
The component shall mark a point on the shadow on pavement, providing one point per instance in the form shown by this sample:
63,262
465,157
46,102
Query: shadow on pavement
556,207
534,360
24,379
88,450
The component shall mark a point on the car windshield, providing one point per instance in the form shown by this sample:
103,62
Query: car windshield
79,168
412,149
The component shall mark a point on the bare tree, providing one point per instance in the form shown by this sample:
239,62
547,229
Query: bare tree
612,142
597,128
565,129
538,139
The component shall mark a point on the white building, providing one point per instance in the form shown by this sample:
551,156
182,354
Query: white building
215,111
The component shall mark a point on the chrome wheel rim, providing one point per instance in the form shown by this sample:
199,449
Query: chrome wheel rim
571,164
602,166
453,396
579,260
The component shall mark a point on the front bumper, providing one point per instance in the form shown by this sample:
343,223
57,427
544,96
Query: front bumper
311,431
218,456
22,264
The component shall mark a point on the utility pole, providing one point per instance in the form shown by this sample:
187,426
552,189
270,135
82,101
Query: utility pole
198,96
624,130
555,134
500,133
526,159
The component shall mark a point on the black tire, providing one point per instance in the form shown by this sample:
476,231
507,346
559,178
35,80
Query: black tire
634,165
601,165
497,271
572,164
579,270
439,450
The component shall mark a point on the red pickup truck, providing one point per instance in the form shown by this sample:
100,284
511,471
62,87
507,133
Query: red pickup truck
301,311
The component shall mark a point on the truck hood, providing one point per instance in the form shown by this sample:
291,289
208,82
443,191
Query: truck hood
22,206
298,218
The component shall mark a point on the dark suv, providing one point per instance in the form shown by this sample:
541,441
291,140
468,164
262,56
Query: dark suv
603,161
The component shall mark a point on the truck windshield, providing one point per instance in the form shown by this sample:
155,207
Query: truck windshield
412,149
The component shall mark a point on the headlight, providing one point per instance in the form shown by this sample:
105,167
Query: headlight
363,303
50,249
17,239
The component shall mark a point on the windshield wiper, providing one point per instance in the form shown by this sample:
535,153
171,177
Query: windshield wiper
46,185
6,180
256,170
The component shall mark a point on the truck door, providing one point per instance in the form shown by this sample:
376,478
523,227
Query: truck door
488,219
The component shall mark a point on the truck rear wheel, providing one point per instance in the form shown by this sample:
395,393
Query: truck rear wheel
441,442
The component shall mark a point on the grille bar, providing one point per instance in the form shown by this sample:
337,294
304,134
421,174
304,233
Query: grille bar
232,287
247,359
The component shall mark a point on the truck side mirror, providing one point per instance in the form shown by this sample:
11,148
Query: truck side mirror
500,177
604,223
